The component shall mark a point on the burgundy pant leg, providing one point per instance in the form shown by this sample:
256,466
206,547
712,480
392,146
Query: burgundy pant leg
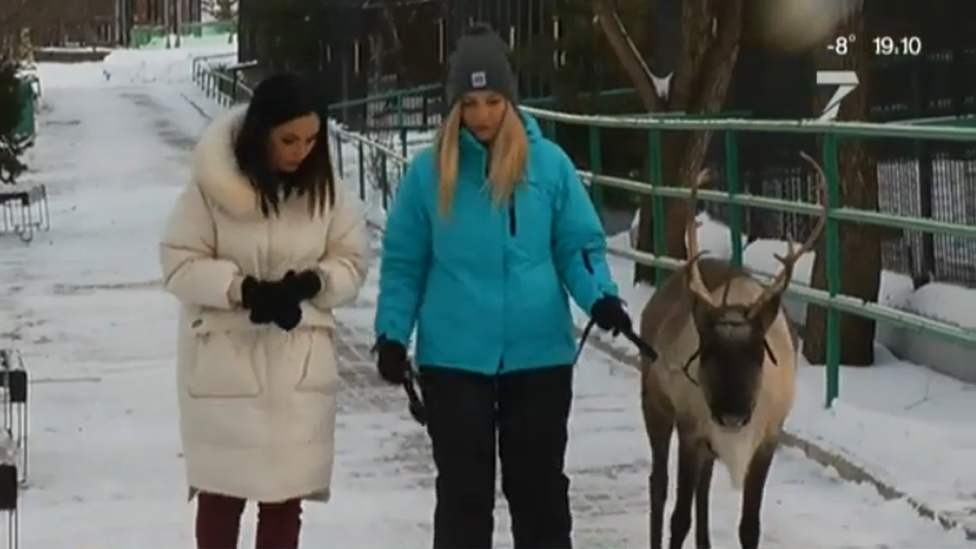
279,525
218,524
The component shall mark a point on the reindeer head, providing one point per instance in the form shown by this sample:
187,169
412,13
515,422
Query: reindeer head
732,348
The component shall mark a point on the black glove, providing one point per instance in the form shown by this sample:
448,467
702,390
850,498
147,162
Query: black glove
270,302
256,297
303,284
391,360
287,313
609,314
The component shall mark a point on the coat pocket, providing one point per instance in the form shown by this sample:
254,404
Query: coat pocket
320,373
224,366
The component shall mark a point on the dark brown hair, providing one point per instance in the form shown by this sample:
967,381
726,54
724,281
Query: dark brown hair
277,100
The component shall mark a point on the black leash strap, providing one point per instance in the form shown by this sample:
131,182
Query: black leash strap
419,411
416,404
645,348
582,343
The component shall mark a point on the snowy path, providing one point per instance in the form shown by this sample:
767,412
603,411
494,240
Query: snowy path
83,303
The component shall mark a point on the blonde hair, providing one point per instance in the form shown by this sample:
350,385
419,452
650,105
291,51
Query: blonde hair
506,158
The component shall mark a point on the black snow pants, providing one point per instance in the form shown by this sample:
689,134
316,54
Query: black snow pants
524,414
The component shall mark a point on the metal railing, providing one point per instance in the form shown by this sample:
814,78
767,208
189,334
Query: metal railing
831,133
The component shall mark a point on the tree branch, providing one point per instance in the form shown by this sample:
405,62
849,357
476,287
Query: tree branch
631,59
711,80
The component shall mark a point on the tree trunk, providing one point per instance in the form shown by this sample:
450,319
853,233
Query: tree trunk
860,245
699,83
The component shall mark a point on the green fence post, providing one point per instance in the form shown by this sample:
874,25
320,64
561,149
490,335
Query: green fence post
732,182
596,166
551,129
340,165
362,171
657,204
832,264
401,125
26,123
235,82
384,183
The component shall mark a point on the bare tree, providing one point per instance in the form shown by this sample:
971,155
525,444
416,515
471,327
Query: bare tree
860,245
52,22
221,10
710,33
18,15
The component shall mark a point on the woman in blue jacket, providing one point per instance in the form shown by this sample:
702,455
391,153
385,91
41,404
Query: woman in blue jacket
490,230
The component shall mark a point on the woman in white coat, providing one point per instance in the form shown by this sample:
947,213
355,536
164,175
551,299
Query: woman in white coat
260,247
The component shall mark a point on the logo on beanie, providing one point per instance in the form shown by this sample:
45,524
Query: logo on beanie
479,79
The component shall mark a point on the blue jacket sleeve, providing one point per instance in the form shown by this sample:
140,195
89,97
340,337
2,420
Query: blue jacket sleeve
579,241
405,258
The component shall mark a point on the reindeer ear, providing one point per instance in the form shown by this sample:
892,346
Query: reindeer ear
766,314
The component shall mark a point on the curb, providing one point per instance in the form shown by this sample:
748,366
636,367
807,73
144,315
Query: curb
203,113
845,467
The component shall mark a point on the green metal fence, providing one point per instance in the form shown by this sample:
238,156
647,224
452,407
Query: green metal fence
832,135
144,36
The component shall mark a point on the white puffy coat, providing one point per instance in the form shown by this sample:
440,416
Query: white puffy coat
257,404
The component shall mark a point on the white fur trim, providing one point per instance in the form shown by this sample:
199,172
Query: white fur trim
215,168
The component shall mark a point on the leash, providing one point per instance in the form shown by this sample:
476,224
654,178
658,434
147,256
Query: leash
419,411
416,404
643,347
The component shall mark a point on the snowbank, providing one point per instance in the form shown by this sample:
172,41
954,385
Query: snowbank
157,66
909,427
950,304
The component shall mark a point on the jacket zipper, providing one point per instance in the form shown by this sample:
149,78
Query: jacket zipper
512,226
511,215
587,262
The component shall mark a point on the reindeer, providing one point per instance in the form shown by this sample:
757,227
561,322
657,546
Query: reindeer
724,380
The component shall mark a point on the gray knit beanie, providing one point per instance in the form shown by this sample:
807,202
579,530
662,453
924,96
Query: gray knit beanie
480,62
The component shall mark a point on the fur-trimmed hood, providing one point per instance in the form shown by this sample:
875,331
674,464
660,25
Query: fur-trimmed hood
215,169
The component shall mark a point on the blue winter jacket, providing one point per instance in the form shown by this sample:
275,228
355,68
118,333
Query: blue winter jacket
487,285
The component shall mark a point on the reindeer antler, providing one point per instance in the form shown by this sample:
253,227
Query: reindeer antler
695,282
782,279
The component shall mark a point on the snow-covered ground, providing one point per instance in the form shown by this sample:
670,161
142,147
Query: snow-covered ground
84,305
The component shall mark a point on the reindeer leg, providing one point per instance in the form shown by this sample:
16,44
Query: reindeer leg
702,538
689,467
752,494
659,425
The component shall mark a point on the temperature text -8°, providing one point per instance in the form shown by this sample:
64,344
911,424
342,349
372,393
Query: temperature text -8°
842,44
